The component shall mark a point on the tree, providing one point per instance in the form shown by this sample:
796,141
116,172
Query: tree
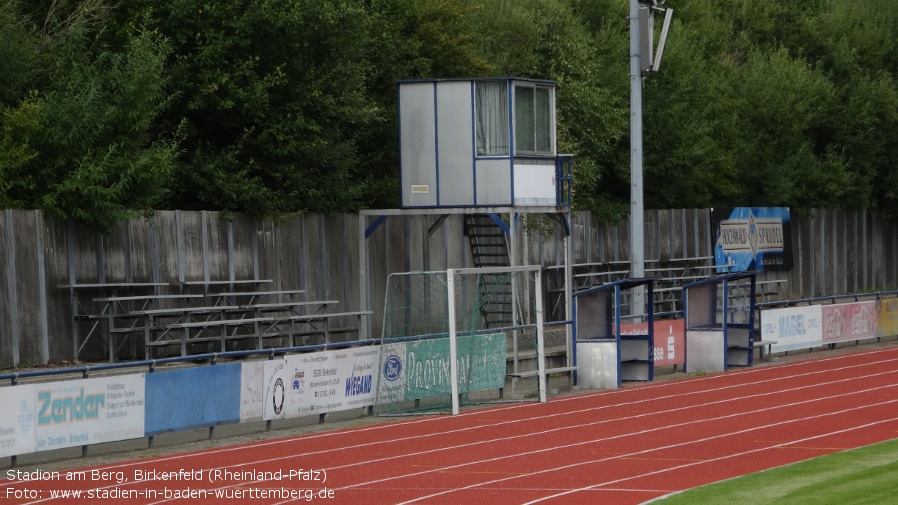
411,39
274,95
577,44
75,140
271,107
765,103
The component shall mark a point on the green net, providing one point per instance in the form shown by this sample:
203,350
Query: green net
495,327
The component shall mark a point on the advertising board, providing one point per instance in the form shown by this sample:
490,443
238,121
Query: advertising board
17,420
751,239
89,411
793,327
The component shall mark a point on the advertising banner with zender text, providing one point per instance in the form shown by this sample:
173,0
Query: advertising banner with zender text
89,411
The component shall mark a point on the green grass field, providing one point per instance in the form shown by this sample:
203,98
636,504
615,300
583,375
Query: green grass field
868,475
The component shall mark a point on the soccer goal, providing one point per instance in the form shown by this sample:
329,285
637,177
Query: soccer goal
450,338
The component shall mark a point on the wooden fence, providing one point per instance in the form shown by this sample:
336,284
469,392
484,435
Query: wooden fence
42,257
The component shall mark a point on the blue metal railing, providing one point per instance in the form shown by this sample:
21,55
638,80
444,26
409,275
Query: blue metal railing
213,357
564,179
876,295
151,364
831,299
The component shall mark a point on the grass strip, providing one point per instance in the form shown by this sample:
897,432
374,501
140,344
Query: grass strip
866,475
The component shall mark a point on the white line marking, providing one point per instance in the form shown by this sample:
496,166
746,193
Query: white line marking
672,446
720,458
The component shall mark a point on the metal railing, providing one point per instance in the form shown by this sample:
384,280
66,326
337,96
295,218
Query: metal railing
211,357
564,179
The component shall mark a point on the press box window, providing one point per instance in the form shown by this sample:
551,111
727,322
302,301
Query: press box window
491,100
532,120
532,116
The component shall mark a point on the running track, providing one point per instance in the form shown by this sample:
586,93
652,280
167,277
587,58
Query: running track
620,446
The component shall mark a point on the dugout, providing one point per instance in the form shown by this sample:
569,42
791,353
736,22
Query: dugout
614,339
720,316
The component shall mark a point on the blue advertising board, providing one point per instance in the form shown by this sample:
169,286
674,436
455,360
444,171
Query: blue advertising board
192,398
752,239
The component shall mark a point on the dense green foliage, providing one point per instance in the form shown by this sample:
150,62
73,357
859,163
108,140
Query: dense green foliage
108,108
77,112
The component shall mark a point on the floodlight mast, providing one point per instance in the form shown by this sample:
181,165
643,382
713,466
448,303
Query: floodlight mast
637,219
637,205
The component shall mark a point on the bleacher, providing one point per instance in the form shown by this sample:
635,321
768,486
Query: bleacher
672,275
148,321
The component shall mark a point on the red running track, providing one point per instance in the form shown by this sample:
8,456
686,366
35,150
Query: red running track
611,447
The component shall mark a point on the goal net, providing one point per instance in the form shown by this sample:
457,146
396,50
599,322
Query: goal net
457,337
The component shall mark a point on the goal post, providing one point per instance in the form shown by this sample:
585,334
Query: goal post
451,276
457,337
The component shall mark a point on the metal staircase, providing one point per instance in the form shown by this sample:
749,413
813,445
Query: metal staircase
489,248
489,245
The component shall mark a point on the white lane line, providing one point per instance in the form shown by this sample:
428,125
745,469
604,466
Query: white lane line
672,446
